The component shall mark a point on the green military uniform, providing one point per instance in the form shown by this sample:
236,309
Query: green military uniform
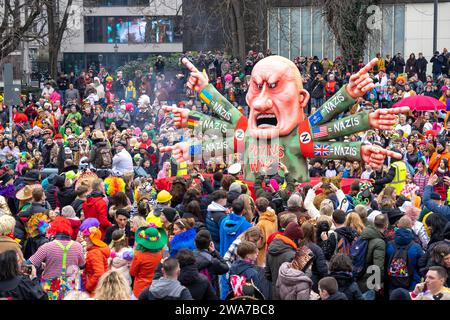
311,139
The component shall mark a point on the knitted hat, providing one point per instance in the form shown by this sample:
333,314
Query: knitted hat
236,187
68,212
57,136
171,214
293,231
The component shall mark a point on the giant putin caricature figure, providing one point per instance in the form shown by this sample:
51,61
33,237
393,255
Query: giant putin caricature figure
277,129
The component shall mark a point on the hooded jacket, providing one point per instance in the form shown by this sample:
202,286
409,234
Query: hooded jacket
281,249
183,240
96,266
197,284
293,284
214,216
347,285
231,227
95,207
376,252
213,263
165,289
268,224
253,274
403,237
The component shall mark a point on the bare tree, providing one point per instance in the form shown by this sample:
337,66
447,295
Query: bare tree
348,20
57,25
240,22
17,19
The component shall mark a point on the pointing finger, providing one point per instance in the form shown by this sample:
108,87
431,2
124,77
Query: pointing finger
369,66
189,65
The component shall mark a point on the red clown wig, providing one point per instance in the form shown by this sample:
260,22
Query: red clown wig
60,225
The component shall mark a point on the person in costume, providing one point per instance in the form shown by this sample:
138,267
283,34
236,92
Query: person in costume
277,128
97,256
60,257
147,255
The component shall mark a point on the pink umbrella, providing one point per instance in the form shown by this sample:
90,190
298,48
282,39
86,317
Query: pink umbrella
420,103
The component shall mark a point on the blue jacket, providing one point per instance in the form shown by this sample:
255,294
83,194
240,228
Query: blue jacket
402,238
432,206
184,240
230,228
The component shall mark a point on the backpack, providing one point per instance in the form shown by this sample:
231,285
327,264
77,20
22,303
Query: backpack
398,268
105,158
358,253
342,246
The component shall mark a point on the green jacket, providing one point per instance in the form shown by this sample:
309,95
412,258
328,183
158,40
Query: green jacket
315,132
376,252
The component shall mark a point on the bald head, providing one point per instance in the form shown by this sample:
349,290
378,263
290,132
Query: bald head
278,65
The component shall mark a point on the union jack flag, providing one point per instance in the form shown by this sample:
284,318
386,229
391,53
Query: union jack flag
321,150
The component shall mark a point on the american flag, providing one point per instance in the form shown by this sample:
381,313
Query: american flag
321,150
320,132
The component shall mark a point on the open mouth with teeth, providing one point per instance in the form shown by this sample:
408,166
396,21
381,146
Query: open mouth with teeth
266,120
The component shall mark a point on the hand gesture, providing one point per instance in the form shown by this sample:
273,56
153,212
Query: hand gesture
211,247
283,167
360,83
197,81
180,151
433,180
180,115
375,155
333,187
419,288
317,186
384,119
324,236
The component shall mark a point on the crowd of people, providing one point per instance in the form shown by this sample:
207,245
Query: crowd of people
90,208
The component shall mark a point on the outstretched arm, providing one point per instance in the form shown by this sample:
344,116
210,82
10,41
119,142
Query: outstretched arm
360,83
219,105
370,154
382,119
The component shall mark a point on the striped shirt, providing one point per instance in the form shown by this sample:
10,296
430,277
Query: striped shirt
52,255
421,181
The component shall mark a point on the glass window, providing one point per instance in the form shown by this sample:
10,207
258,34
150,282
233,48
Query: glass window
306,31
387,26
295,32
273,30
284,32
133,29
317,27
399,31
115,3
328,45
